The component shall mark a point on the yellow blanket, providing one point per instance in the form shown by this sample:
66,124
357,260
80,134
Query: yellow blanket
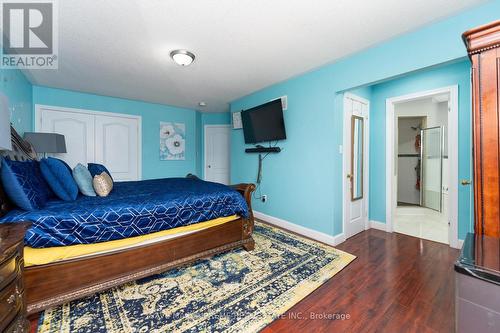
33,256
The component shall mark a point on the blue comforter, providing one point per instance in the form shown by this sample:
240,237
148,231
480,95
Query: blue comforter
131,209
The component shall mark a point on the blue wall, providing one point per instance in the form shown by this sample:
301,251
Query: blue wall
152,115
446,75
364,92
304,181
219,118
17,89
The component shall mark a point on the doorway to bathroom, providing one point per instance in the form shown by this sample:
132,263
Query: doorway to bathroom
422,165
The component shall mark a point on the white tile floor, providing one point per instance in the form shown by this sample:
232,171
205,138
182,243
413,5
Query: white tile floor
421,222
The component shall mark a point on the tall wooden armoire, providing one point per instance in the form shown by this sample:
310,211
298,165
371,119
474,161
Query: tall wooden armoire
483,45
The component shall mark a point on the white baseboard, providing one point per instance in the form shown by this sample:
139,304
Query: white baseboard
378,225
316,235
383,226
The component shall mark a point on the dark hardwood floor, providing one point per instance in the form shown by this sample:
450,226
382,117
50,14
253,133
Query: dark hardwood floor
397,283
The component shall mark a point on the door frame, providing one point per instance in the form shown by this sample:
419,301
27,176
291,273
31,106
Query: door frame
391,190
346,195
38,124
228,126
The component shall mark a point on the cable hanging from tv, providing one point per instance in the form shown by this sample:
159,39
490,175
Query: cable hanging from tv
259,170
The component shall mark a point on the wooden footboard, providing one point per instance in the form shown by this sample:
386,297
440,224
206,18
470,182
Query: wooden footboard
57,283
246,190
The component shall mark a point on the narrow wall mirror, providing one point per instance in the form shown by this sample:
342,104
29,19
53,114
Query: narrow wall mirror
357,139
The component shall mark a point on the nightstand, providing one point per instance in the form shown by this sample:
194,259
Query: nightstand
12,298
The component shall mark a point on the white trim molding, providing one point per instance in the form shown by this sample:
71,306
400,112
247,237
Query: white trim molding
378,225
391,177
38,108
313,234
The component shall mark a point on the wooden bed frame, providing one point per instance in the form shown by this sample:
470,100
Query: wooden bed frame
57,283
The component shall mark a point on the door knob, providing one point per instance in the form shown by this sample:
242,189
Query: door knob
349,176
465,182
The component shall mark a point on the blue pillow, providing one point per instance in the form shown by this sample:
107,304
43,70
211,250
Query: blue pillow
65,164
83,179
96,169
45,189
59,178
24,184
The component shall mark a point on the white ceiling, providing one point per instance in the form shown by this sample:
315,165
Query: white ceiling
121,47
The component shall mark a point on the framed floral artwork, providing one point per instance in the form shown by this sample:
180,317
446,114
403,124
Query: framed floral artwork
172,141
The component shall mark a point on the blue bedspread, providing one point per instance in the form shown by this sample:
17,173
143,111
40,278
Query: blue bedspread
131,209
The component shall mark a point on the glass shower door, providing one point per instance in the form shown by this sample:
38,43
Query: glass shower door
431,168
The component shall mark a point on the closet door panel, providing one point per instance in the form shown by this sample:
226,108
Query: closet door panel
78,131
117,146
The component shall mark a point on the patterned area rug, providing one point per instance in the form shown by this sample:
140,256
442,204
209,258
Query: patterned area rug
236,291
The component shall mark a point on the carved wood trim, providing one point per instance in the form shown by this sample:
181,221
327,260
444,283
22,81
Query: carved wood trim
477,145
90,290
482,38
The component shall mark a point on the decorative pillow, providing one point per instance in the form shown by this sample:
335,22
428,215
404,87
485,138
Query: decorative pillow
83,179
24,184
59,178
96,169
103,184
65,164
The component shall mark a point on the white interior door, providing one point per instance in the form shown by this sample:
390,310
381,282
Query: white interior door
217,153
117,147
78,131
355,165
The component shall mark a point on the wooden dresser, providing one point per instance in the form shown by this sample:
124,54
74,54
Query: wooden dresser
477,285
12,298
483,46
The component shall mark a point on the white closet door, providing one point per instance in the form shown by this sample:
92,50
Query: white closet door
78,131
117,146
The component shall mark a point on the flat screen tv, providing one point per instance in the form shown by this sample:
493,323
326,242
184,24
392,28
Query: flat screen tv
264,123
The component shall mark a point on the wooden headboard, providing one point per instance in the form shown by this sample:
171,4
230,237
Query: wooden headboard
21,151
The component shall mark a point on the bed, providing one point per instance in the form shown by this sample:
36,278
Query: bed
74,249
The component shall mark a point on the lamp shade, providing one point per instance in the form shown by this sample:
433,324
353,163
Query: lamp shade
5,141
46,142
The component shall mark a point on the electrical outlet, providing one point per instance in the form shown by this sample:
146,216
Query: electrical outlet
263,198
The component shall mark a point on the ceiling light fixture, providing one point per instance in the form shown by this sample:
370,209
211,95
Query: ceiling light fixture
202,104
182,57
